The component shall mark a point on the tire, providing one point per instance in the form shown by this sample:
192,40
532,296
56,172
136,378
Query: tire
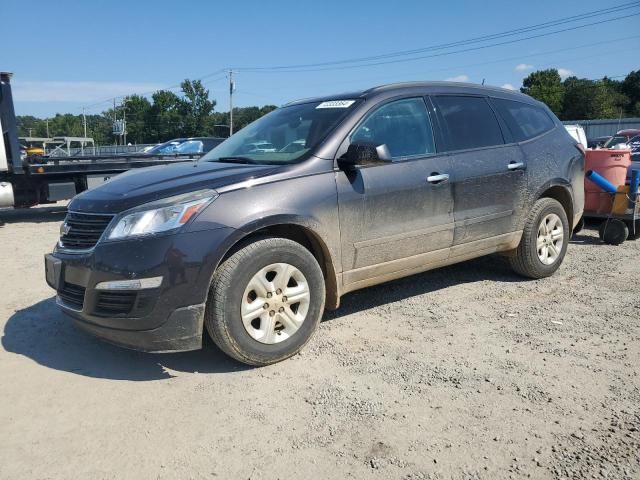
232,294
613,231
526,261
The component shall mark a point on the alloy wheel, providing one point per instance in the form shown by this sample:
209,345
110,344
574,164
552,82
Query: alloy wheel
550,239
275,303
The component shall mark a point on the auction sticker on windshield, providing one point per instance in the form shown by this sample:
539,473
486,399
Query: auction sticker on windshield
336,104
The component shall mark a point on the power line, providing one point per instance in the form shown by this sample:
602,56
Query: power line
442,54
478,64
393,56
483,38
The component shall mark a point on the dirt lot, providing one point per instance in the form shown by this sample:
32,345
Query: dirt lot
464,372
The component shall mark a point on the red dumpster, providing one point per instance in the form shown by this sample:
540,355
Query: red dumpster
612,165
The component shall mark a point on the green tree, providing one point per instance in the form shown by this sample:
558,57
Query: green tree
630,87
546,86
99,128
137,110
29,123
165,116
577,93
586,99
66,125
165,120
196,108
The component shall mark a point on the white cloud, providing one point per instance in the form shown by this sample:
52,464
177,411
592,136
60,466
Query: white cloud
458,78
34,91
564,73
508,86
521,67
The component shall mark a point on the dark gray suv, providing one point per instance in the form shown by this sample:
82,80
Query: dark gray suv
353,190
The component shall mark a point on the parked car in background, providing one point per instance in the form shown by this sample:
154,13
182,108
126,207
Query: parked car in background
254,241
622,136
181,146
258,147
598,141
294,146
634,145
577,132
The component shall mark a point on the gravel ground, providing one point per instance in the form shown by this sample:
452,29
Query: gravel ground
464,372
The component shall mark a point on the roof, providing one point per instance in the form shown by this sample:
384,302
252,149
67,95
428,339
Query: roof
435,87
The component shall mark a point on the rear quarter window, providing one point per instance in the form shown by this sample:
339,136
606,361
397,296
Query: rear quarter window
525,121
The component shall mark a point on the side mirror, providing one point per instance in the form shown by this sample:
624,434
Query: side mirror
360,153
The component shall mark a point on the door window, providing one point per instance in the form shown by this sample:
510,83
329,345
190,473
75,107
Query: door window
403,126
525,121
468,122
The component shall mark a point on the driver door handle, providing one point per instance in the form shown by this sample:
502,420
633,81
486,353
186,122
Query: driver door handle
515,165
437,178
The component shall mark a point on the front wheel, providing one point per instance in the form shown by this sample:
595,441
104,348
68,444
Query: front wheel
544,240
266,301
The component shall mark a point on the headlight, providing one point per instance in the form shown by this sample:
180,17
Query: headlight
161,216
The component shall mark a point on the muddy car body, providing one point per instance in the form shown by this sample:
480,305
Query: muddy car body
392,181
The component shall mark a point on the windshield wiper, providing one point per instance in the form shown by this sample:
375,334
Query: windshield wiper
236,160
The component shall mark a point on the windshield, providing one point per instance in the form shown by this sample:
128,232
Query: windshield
191,146
284,135
166,147
615,141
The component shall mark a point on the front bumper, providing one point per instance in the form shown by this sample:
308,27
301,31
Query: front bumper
167,318
181,332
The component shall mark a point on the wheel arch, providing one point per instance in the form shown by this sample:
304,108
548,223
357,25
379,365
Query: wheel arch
299,230
561,191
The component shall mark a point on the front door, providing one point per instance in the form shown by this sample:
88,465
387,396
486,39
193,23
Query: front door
398,215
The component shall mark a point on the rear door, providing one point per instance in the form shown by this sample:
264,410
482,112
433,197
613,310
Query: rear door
394,213
488,170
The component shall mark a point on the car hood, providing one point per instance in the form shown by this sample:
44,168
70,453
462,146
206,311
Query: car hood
144,185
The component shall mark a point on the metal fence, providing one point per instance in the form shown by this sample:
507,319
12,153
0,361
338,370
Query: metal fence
99,150
604,127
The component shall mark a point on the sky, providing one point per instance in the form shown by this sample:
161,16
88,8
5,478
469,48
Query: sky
69,55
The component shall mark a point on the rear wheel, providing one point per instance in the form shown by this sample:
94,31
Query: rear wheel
266,301
544,240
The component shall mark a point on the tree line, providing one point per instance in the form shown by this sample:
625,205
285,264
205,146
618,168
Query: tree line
583,99
167,115
164,116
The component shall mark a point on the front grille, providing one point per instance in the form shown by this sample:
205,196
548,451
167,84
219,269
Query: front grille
72,295
83,230
115,303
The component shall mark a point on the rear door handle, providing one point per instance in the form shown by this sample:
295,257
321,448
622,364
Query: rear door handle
437,178
515,165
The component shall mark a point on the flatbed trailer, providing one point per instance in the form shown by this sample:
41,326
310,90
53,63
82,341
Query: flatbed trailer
25,182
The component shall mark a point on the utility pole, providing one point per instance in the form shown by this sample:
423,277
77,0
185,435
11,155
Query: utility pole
124,120
30,131
231,89
84,125
48,128
115,137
